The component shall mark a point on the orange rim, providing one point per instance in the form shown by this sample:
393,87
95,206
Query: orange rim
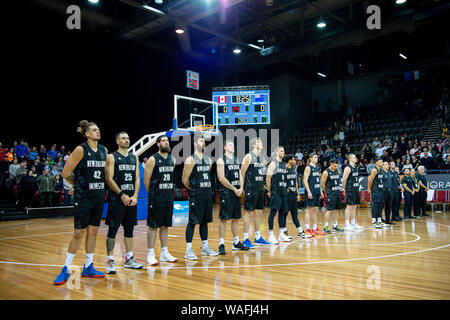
204,127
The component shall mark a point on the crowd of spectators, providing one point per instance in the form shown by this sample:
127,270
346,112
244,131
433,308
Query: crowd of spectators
33,177
424,99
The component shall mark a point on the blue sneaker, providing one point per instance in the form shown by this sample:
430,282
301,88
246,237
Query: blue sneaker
248,244
63,276
261,242
91,272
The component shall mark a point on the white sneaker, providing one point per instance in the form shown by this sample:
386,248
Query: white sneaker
190,255
151,260
357,227
206,251
167,257
349,228
283,238
286,234
273,240
110,269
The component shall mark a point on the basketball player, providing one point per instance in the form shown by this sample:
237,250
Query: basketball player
387,191
158,180
252,171
276,185
122,178
375,188
231,189
293,195
311,180
422,191
350,184
408,193
85,169
197,179
416,196
330,183
395,191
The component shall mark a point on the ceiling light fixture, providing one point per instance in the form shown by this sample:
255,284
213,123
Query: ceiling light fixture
403,56
321,24
237,51
321,74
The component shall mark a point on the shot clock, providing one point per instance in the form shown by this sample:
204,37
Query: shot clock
243,105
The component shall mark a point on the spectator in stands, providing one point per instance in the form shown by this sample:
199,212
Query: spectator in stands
445,129
407,155
426,161
42,152
414,150
341,134
12,170
387,140
447,162
385,156
21,171
22,150
379,151
50,161
63,151
375,143
33,171
336,138
33,154
52,153
59,190
407,165
398,164
54,171
299,154
47,166
415,162
66,157
367,151
402,145
11,155
46,184
68,193
425,152
340,158
2,152
371,166
301,168
28,186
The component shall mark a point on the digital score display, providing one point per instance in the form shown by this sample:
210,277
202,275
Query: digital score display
192,79
243,107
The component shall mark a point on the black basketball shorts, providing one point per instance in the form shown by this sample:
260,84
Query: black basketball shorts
378,196
254,200
334,201
291,200
88,213
200,211
278,202
314,202
352,198
119,214
159,213
230,208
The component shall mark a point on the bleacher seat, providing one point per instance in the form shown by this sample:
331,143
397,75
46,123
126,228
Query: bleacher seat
440,197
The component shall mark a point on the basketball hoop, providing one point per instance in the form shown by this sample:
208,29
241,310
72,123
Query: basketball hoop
204,127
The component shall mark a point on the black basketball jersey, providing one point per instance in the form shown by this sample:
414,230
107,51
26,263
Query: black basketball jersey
232,175
161,181
395,180
291,177
90,174
200,179
377,184
278,183
387,179
314,180
254,176
352,179
124,174
332,184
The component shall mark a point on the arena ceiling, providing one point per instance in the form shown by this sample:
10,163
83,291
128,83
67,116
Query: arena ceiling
213,29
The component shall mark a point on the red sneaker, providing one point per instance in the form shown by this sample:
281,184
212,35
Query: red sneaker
308,231
317,232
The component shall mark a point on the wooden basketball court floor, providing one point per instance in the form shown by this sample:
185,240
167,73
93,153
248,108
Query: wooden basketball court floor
410,260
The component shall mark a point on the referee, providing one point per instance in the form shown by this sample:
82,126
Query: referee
423,189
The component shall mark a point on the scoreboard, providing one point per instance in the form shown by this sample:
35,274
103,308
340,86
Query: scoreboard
243,106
